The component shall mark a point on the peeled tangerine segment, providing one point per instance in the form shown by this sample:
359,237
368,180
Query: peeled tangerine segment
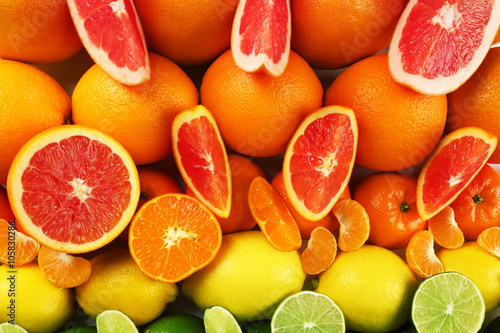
438,45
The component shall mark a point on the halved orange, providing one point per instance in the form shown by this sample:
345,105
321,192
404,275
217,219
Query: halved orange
456,160
319,160
73,188
420,255
172,236
320,252
489,240
16,249
202,159
445,230
272,216
354,224
62,269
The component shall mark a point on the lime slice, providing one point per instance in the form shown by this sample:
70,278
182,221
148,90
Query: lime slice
113,321
308,311
11,328
219,320
448,302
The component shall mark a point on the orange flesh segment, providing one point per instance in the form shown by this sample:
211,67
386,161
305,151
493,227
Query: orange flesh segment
420,255
25,247
320,252
273,217
445,229
62,269
354,224
489,240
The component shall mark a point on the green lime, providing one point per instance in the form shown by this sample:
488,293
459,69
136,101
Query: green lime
11,328
82,329
308,311
261,326
219,320
178,322
493,326
448,302
113,321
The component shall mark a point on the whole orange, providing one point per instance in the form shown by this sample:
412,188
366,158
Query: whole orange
398,127
31,101
188,32
390,201
476,102
256,113
139,117
38,31
333,34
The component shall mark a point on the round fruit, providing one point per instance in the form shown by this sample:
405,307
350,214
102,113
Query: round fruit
39,31
475,102
139,117
177,322
256,113
187,32
373,286
335,34
32,301
30,102
250,284
398,127
479,266
117,283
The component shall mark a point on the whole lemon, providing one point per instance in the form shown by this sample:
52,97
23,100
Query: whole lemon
248,277
31,301
372,286
479,266
116,283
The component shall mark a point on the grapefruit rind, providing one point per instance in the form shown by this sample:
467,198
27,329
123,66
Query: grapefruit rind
442,84
21,163
296,202
475,132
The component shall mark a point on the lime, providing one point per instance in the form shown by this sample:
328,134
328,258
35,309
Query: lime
178,322
113,321
261,326
448,302
82,329
11,328
308,311
219,320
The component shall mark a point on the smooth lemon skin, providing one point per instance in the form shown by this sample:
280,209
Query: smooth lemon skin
248,277
479,266
116,283
38,306
372,286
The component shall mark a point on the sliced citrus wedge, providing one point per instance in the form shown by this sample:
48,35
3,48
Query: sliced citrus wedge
261,35
172,236
489,240
62,269
16,249
319,159
447,171
73,188
354,224
111,32
320,252
445,230
272,216
202,159
420,255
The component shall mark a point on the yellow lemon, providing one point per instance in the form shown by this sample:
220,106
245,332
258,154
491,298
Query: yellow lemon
31,301
116,283
248,277
372,286
479,266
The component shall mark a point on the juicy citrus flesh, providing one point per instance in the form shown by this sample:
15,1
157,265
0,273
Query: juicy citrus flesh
11,328
272,216
114,321
354,224
73,188
489,240
448,302
445,230
308,311
219,320
62,269
319,160
172,236
420,255
16,248
320,252
202,159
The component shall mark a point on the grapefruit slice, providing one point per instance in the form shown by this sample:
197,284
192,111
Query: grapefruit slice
421,257
438,45
261,35
63,270
73,188
16,249
319,159
111,32
453,164
202,160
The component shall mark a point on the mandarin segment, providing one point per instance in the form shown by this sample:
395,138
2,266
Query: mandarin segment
354,224
445,230
489,240
62,269
16,248
421,257
320,252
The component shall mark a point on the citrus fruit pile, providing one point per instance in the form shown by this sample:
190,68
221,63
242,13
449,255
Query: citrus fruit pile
249,166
